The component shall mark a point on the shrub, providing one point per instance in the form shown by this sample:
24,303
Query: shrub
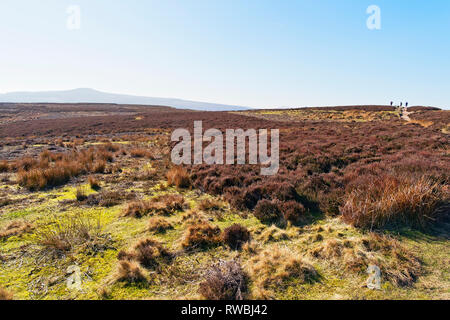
390,200
268,211
201,235
235,236
171,202
159,225
224,281
94,183
140,153
294,212
147,252
178,177
6,295
129,271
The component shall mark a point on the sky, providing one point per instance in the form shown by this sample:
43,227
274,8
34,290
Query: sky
254,53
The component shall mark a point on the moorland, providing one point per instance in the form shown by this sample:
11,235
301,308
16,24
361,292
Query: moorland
91,206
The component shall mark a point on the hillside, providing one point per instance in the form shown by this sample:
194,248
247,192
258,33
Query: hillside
86,95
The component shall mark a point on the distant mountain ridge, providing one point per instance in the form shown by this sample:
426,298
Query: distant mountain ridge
86,95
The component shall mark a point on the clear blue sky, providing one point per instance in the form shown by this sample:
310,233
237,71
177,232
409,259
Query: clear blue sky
250,52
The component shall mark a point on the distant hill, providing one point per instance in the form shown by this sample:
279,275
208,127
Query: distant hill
85,95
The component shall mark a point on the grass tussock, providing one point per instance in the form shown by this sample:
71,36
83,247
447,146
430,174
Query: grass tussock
225,280
138,209
140,153
163,205
15,228
148,252
171,202
271,234
178,177
80,194
192,217
129,272
397,264
159,225
94,183
390,200
275,267
77,232
111,198
210,204
201,236
52,170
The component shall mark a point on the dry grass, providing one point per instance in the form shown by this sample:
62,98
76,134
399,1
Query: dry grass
225,280
111,198
394,201
130,272
178,177
15,228
193,217
98,166
275,267
159,225
70,233
201,236
171,202
162,205
210,204
6,295
140,153
138,209
397,264
38,179
51,170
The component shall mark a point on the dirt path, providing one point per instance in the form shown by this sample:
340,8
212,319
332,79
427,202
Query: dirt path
404,114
